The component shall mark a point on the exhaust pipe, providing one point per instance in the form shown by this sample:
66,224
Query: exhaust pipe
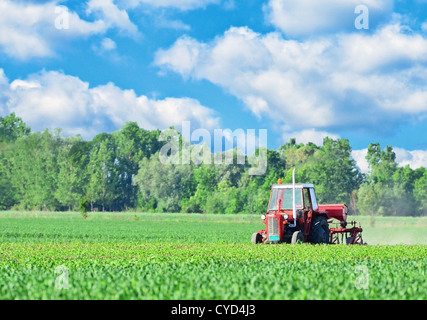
294,207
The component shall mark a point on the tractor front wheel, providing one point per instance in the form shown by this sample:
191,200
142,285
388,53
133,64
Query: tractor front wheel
256,238
297,237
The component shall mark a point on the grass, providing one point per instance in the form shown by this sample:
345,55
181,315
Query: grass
186,257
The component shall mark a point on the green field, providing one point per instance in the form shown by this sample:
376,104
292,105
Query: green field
181,256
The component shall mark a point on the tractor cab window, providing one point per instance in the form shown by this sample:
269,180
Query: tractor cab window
285,194
313,199
307,205
273,200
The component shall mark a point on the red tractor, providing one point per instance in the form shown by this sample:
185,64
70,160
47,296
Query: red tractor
294,216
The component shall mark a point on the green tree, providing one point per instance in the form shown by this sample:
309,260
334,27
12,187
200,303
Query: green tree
8,195
102,173
35,170
225,200
205,180
420,192
163,186
72,161
334,172
330,167
84,206
382,164
377,195
297,154
133,144
12,127
404,202
255,190
373,199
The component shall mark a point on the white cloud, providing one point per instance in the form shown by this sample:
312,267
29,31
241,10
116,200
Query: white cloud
30,30
360,157
150,114
415,158
3,79
107,44
4,91
107,49
20,84
167,23
181,57
361,81
308,18
17,35
56,100
112,15
389,45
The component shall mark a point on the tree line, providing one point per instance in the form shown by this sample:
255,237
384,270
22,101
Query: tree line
122,170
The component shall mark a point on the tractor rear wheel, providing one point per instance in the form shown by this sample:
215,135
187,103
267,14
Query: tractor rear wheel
319,232
297,237
256,238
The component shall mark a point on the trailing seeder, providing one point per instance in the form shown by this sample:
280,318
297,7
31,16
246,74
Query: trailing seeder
294,216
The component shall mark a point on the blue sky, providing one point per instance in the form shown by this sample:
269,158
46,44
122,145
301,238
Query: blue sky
297,68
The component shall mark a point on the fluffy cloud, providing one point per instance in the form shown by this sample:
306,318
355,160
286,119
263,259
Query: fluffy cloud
4,91
53,99
307,18
360,157
415,158
358,81
107,44
34,29
16,34
112,15
30,30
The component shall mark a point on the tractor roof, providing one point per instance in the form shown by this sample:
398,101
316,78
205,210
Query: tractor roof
297,185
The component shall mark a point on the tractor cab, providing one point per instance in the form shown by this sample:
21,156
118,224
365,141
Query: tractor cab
281,198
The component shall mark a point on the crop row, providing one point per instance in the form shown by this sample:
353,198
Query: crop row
58,227
211,271
46,254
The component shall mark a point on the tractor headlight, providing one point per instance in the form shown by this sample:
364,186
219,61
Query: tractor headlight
263,217
285,217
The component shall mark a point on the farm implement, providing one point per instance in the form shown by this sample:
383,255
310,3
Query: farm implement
294,216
